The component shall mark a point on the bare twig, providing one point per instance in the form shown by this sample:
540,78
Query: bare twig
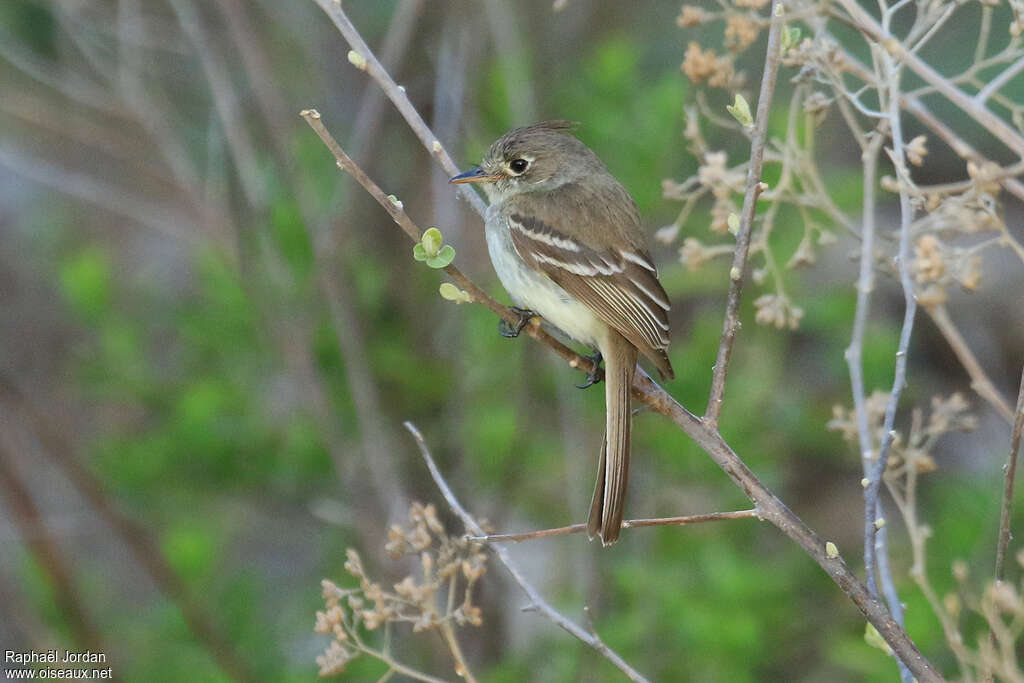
754,187
397,96
980,381
346,163
1011,471
999,81
461,667
875,543
865,285
627,524
977,111
537,601
393,48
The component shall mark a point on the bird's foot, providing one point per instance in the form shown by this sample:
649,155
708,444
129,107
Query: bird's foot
594,374
512,330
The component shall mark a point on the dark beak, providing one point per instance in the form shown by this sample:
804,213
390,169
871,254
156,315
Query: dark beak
473,175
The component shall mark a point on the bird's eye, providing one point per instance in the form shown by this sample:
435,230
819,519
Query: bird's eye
518,166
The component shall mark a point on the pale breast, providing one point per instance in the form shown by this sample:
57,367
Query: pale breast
534,290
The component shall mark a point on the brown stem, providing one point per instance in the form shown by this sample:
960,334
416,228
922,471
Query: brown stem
1011,471
758,138
980,382
627,524
775,511
346,163
461,668
397,96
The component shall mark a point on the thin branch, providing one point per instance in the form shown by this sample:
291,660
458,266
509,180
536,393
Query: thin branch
980,381
874,543
999,81
865,285
461,668
754,187
393,48
347,164
995,125
627,524
537,602
398,97
922,113
1011,471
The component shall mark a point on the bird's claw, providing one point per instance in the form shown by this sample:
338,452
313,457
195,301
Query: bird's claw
594,374
512,330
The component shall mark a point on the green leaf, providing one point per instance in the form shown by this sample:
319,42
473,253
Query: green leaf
790,37
432,241
419,252
443,258
452,293
873,638
740,111
87,283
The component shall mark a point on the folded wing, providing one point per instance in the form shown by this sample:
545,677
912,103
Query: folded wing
619,285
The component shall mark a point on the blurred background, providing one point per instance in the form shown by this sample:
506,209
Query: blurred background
211,338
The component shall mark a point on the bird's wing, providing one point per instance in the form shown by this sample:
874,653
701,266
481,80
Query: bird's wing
619,285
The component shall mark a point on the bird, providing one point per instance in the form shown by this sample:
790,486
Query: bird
567,244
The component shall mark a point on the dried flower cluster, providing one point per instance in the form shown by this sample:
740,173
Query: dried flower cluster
1000,607
955,223
449,567
912,450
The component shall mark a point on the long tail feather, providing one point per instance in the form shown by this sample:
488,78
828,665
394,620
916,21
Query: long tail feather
609,503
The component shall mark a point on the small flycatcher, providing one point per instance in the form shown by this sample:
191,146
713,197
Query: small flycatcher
566,241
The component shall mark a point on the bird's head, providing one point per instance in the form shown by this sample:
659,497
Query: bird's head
530,159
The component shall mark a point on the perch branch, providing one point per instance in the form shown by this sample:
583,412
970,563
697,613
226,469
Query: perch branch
347,164
627,524
538,603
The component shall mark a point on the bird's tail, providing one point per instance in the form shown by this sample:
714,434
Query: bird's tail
608,505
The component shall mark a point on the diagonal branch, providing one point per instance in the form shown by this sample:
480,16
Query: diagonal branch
394,208
537,601
758,138
397,96
980,381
